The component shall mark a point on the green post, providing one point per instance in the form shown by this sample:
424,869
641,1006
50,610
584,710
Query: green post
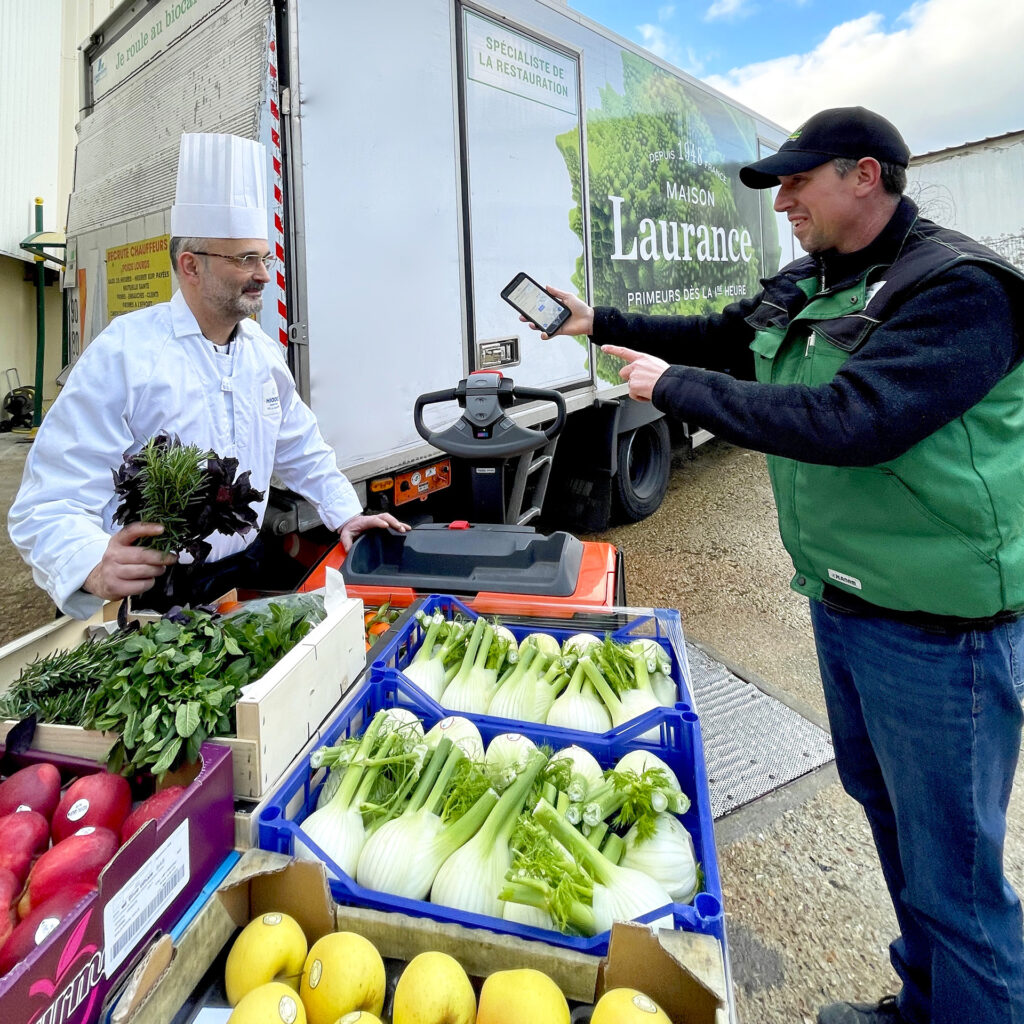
37,415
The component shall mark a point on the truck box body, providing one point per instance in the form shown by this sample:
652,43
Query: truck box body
419,155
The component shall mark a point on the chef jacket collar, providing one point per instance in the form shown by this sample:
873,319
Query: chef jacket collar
184,322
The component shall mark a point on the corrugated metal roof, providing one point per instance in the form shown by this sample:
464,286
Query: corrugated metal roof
967,145
29,118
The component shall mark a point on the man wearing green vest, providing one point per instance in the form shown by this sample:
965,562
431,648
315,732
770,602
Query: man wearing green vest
882,374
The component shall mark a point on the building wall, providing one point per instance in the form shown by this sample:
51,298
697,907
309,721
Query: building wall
18,327
40,73
976,189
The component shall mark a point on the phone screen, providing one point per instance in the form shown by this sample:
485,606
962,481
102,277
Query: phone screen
535,304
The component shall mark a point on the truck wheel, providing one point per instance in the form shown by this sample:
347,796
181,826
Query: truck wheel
643,461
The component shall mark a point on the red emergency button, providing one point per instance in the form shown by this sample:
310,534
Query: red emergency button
459,524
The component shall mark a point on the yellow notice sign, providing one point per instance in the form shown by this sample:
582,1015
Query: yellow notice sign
138,275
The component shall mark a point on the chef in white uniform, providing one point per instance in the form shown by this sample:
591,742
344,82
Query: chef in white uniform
197,367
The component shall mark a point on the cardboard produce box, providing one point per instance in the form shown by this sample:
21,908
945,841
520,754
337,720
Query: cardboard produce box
276,715
683,972
145,888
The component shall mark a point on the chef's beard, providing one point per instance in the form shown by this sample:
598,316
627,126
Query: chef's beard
231,300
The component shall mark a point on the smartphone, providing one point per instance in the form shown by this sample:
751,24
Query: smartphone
522,293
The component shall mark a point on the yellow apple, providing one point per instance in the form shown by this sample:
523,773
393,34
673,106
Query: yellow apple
343,972
273,1003
434,989
359,1017
628,1006
523,996
270,948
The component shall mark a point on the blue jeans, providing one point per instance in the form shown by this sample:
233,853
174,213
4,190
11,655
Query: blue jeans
927,731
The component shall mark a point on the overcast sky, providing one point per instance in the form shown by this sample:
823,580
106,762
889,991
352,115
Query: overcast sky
944,71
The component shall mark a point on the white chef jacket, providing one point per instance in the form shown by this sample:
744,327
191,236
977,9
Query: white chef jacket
153,371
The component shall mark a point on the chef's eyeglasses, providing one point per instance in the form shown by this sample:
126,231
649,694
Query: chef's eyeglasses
246,262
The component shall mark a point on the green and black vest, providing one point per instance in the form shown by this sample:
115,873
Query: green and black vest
939,529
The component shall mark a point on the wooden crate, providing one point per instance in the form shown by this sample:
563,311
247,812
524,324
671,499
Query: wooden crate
276,715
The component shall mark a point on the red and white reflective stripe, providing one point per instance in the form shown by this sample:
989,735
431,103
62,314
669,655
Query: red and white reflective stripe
275,153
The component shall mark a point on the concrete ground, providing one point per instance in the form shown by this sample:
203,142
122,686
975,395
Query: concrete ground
808,917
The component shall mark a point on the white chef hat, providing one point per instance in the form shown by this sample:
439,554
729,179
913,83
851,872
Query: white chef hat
222,188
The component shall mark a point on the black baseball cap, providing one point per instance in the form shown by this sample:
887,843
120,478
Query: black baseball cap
850,132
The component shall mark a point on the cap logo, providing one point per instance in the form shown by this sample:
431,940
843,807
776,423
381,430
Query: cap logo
796,134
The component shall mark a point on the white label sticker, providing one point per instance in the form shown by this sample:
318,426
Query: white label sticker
77,809
644,1004
133,910
841,577
315,970
45,927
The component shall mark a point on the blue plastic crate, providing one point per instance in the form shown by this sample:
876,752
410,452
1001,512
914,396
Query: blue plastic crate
662,625
679,746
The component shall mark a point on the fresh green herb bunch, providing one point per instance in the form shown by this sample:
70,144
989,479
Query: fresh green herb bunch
164,688
190,492
55,688
178,680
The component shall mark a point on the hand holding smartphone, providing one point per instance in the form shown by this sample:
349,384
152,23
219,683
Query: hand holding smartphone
527,297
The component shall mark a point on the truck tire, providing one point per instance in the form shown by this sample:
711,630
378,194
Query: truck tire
643,461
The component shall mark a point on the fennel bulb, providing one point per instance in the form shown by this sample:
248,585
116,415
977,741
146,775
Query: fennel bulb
665,689
580,643
506,634
474,684
530,690
616,893
403,855
659,669
337,827
667,856
544,642
462,732
585,773
507,756
631,703
638,796
522,913
400,720
630,893
639,761
579,707
426,669
471,878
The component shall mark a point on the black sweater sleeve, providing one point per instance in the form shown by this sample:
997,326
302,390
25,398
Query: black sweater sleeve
937,356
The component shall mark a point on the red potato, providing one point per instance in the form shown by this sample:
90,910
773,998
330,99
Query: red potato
10,890
36,787
23,836
34,929
77,860
151,809
103,800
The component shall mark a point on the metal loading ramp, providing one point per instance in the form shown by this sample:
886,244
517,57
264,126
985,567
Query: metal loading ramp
753,743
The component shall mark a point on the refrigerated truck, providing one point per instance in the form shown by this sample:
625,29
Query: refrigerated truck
419,155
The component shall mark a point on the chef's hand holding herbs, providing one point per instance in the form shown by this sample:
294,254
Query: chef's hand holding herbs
127,569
